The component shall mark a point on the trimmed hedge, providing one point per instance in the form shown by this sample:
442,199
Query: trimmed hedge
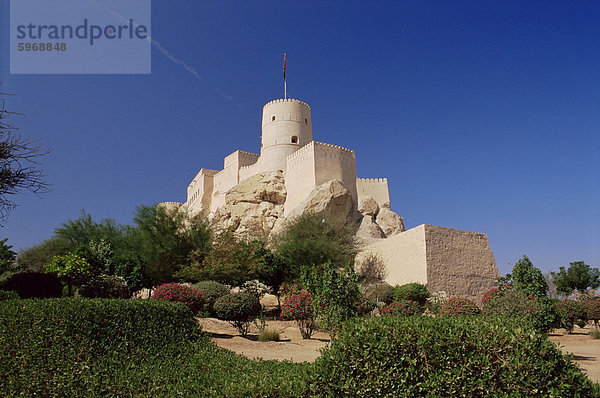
211,290
34,284
412,291
75,347
239,309
8,295
445,356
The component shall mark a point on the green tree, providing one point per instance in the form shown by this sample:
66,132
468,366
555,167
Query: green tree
525,277
71,268
579,276
7,256
84,230
166,240
36,257
311,239
233,261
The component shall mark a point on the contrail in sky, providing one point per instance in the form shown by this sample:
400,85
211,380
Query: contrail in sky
178,61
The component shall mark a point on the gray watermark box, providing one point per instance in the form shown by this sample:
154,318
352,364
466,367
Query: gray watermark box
80,36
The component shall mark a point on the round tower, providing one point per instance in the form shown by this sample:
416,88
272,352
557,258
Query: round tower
286,127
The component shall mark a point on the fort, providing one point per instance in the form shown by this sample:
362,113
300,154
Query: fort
457,262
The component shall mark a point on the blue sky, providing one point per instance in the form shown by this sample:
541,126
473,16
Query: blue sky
482,115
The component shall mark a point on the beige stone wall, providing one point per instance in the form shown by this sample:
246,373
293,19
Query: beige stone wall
404,255
377,188
459,262
299,176
200,190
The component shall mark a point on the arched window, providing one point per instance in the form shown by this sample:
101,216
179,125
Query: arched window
294,140
273,118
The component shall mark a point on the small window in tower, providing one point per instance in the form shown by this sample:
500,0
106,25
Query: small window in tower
305,121
294,140
273,119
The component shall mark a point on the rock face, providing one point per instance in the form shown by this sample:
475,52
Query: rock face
368,207
254,205
332,199
390,222
368,229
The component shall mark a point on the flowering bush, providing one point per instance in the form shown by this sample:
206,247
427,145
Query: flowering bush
570,312
491,294
72,268
537,312
592,308
401,308
239,309
256,288
436,301
192,298
299,307
459,306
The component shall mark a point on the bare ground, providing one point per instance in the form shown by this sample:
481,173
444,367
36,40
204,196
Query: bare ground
293,347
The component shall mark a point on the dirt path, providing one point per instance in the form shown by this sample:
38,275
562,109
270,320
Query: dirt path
291,347
585,350
294,348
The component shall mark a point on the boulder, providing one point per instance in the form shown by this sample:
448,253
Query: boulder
369,229
253,206
331,199
368,207
390,222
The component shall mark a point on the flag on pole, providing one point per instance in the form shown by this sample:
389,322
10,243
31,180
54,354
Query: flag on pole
283,66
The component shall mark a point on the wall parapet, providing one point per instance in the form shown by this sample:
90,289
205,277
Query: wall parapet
323,144
372,180
286,100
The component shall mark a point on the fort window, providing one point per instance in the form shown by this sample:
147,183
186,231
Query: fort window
273,119
305,121
294,140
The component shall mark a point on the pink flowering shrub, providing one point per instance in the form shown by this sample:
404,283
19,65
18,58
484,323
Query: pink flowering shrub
401,308
299,307
459,306
491,294
192,298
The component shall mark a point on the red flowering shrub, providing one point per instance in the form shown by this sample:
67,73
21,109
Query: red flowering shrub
401,308
491,294
592,308
459,306
299,307
192,298
570,312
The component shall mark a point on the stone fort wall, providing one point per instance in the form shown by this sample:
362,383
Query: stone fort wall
377,188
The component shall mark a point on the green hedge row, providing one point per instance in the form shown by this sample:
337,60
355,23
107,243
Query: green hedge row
125,348
446,357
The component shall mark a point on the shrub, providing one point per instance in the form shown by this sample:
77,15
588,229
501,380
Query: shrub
436,301
256,288
34,284
537,312
71,268
299,307
569,312
592,308
267,334
239,309
105,286
371,269
412,291
401,308
335,294
459,306
8,295
211,290
381,293
461,357
192,298
72,348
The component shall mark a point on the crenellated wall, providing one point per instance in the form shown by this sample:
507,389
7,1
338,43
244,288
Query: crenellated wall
377,188
299,176
199,192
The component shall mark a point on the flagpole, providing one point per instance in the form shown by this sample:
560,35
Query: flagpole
284,81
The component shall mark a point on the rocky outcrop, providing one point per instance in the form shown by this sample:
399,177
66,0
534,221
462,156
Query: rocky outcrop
368,207
368,229
331,199
390,222
253,206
